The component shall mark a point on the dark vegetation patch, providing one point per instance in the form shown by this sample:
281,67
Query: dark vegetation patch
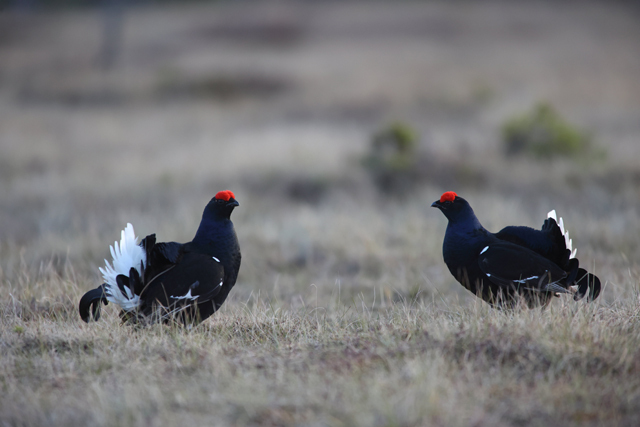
171,86
398,164
222,87
273,29
300,187
543,133
71,97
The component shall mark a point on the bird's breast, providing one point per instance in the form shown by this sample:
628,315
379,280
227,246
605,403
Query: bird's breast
461,248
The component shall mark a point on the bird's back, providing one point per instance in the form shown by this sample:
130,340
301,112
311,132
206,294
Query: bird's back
548,242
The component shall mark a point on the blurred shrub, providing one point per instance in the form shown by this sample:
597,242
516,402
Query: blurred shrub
397,164
308,189
173,85
392,159
295,186
543,133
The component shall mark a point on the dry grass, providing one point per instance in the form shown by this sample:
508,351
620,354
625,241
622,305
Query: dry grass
344,313
353,363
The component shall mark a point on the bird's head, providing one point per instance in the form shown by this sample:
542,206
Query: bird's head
454,207
222,204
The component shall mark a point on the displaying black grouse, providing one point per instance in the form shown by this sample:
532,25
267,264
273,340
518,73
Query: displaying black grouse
155,281
517,262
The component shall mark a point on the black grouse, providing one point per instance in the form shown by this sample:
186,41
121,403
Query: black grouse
515,263
188,282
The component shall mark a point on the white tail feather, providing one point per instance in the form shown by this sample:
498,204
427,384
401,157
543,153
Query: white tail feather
125,256
568,242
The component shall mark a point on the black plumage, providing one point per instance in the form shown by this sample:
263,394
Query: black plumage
515,263
160,281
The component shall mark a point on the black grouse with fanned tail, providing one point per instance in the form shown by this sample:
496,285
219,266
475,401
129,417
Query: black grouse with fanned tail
515,263
154,281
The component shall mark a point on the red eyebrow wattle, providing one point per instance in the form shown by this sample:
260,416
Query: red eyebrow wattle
448,196
225,195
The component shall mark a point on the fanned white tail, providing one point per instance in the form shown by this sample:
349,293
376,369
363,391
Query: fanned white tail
125,256
565,233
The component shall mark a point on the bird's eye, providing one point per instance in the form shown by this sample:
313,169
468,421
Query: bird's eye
219,201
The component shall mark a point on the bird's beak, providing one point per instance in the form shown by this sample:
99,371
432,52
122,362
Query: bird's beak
233,202
436,204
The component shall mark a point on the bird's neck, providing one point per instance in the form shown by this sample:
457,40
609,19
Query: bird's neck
466,225
215,236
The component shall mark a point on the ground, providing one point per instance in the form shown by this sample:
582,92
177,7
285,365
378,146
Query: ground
344,312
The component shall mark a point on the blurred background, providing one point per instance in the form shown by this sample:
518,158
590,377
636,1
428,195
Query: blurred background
336,124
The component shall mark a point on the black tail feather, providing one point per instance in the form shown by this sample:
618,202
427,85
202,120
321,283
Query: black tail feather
588,284
123,282
559,254
90,302
573,268
135,280
148,243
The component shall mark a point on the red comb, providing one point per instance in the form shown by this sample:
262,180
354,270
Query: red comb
225,195
448,196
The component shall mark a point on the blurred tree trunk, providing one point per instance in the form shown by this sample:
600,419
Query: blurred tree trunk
113,17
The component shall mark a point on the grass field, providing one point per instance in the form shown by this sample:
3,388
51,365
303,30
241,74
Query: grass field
344,313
